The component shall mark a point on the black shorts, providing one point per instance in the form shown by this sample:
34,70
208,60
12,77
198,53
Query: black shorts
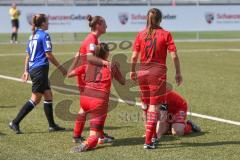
15,23
40,81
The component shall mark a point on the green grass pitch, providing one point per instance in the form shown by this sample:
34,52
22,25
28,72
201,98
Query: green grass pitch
211,86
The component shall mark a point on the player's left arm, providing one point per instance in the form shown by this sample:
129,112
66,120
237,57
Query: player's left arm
47,45
134,58
25,73
173,52
115,68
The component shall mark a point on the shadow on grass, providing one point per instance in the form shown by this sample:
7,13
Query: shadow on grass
207,144
85,129
2,134
131,141
196,134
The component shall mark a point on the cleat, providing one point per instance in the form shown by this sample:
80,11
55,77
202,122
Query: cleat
149,146
80,148
15,128
195,128
78,139
56,128
11,41
106,139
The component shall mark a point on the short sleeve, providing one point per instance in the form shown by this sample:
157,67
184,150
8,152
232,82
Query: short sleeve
170,43
47,45
137,43
91,45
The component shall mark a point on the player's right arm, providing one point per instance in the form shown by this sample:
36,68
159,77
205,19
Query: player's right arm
47,45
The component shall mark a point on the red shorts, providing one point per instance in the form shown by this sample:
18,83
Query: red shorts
178,117
89,104
96,109
152,84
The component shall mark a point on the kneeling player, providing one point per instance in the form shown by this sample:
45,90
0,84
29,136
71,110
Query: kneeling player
175,119
94,95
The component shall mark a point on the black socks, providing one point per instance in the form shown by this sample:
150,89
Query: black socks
27,107
48,109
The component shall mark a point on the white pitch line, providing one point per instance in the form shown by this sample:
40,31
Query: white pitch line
132,102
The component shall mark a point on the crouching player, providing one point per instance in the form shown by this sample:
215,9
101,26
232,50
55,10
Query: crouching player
175,119
94,95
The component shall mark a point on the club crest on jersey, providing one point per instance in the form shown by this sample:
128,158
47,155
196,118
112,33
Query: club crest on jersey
209,17
123,18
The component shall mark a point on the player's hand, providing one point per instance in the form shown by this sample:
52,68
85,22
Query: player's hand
62,70
133,76
179,79
25,76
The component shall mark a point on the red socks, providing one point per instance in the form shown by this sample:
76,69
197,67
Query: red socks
187,129
79,125
152,118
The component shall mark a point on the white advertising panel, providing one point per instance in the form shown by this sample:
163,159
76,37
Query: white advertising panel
128,18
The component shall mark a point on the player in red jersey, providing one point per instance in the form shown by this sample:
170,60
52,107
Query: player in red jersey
176,117
87,54
153,44
87,49
94,95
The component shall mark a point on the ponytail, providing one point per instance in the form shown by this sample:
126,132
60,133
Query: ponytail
37,22
33,25
154,18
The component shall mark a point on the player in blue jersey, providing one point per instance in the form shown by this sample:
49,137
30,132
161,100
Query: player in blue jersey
39,53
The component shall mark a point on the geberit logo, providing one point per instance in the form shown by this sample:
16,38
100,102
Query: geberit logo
59,19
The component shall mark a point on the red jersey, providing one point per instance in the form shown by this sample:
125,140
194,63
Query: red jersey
176,102
95,79
88,46
155,47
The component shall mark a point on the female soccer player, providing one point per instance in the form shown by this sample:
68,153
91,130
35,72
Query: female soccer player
87,54
176,117
152,44
15,13
39,53
94,95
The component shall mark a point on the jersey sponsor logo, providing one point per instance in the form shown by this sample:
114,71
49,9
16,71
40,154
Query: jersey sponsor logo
92,47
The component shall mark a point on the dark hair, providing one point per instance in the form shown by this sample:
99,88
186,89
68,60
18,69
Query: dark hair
94,20
37,21
154,18
101,50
